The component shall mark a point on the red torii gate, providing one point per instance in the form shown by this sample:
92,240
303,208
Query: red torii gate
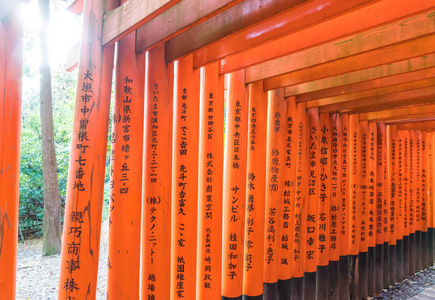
278,57
311,144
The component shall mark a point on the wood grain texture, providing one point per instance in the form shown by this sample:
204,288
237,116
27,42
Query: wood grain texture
380,56
381,72
177,19
380,37
227,23
130,16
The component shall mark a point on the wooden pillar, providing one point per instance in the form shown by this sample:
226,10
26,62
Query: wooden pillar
344,215
253,266
430,215
399,206
324,199
300,203
288,206
363,210
424,201
412,194
84,199
432,191
312,215
157,177
418,233
274,185
382,257
11,62
335,212
234,185
184,179
126,173
211,132
371,230
405,203
392,190
354,197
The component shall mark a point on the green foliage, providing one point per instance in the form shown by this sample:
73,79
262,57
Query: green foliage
31,181
63,90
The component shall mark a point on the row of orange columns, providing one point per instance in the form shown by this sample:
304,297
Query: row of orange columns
267,199
278,201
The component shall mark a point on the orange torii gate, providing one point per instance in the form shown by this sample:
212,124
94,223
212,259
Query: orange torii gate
254,156
306,186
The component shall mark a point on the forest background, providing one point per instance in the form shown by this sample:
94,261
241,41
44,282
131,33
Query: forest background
65,30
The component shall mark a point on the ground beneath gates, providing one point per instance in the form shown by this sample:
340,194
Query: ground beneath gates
420,286
38,276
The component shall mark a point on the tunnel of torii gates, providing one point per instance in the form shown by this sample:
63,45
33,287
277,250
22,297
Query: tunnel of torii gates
259,149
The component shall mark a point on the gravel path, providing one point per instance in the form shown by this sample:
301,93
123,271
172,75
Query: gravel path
38,276
411,286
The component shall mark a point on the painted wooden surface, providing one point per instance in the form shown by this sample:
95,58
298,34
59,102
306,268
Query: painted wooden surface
210,181
129,16
157,179
11,62
177,19
184,209
381,72
235,181
273,54
253,265
290,19
357,182
84,199
126,173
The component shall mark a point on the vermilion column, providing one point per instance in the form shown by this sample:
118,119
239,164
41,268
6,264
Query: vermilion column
335,214
234,190
354,197
399,205
253,264
84,199
288,200
412,178
11,62
126,173
299,241
431,207
363,201
371,223
428,157
424,201
418,159
274,189
405,202
324,199
392,195
382,253
412,200
184,179
157,177
363,209
418,256
344,213
211,130
313,193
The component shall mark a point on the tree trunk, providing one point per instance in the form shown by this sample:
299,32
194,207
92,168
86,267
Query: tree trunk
51,225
